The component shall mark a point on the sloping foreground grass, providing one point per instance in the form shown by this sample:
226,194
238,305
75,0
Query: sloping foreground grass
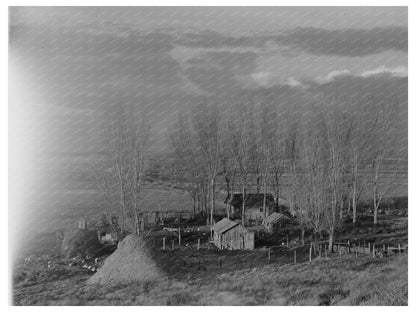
336,281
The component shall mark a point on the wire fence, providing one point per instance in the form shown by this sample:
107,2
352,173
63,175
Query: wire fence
201,256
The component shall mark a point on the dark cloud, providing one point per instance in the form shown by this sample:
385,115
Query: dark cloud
87,41
318,41
346,42
212,39
218,71
81,66
383,85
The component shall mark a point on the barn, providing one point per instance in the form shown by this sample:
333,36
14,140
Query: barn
274,220
254,213
231,235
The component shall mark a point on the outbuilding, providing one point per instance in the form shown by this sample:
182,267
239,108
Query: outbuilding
232,235
274,220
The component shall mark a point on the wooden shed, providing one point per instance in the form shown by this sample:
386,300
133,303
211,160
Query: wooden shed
231,235
274,220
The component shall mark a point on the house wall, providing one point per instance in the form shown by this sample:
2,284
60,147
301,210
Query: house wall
237,238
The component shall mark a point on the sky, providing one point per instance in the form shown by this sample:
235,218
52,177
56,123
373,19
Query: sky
68,64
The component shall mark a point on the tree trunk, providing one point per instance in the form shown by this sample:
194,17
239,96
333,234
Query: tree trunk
265,197
354,194
212,201
199,202
136,221
302,236
194,199
376,205
376,201
331,240
243,209
206,196
230,207
276,177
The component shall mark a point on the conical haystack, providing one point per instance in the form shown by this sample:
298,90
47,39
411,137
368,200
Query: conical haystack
129,263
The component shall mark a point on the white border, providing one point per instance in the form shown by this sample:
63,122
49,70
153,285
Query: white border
4,126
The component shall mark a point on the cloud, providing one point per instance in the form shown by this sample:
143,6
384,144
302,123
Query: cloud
399,71
332,75
318,41
212,39
383,85
346,42
266,80
219,72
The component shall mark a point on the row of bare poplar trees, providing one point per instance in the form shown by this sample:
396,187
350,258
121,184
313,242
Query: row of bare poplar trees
329,152
122,174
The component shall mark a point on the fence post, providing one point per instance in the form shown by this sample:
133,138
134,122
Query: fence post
369,248
348,248
355,250
326,253
164,243
400,249
198,243
179,243
339,250
374,250
294,257
320,251
310,254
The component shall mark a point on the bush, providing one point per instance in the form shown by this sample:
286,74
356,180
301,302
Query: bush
80,243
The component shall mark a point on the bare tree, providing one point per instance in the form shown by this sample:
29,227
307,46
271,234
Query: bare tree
337,136
230,164
320,175
187,159
207,125
122,176
383,151
240,148
264,153
363,132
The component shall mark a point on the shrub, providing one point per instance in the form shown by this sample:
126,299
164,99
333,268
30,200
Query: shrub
80,243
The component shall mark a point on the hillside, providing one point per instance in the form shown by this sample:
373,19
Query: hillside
337,281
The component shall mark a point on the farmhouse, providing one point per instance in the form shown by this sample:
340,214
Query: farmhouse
231,235
254,213
274,220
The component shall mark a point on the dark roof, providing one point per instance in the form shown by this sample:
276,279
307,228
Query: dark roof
252,200
275,217
223,226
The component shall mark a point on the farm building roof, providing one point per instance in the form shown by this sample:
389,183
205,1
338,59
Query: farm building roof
275,217
252,200
223,226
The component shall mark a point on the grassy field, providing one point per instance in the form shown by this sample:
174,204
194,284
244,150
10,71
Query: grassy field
335,281
214,277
